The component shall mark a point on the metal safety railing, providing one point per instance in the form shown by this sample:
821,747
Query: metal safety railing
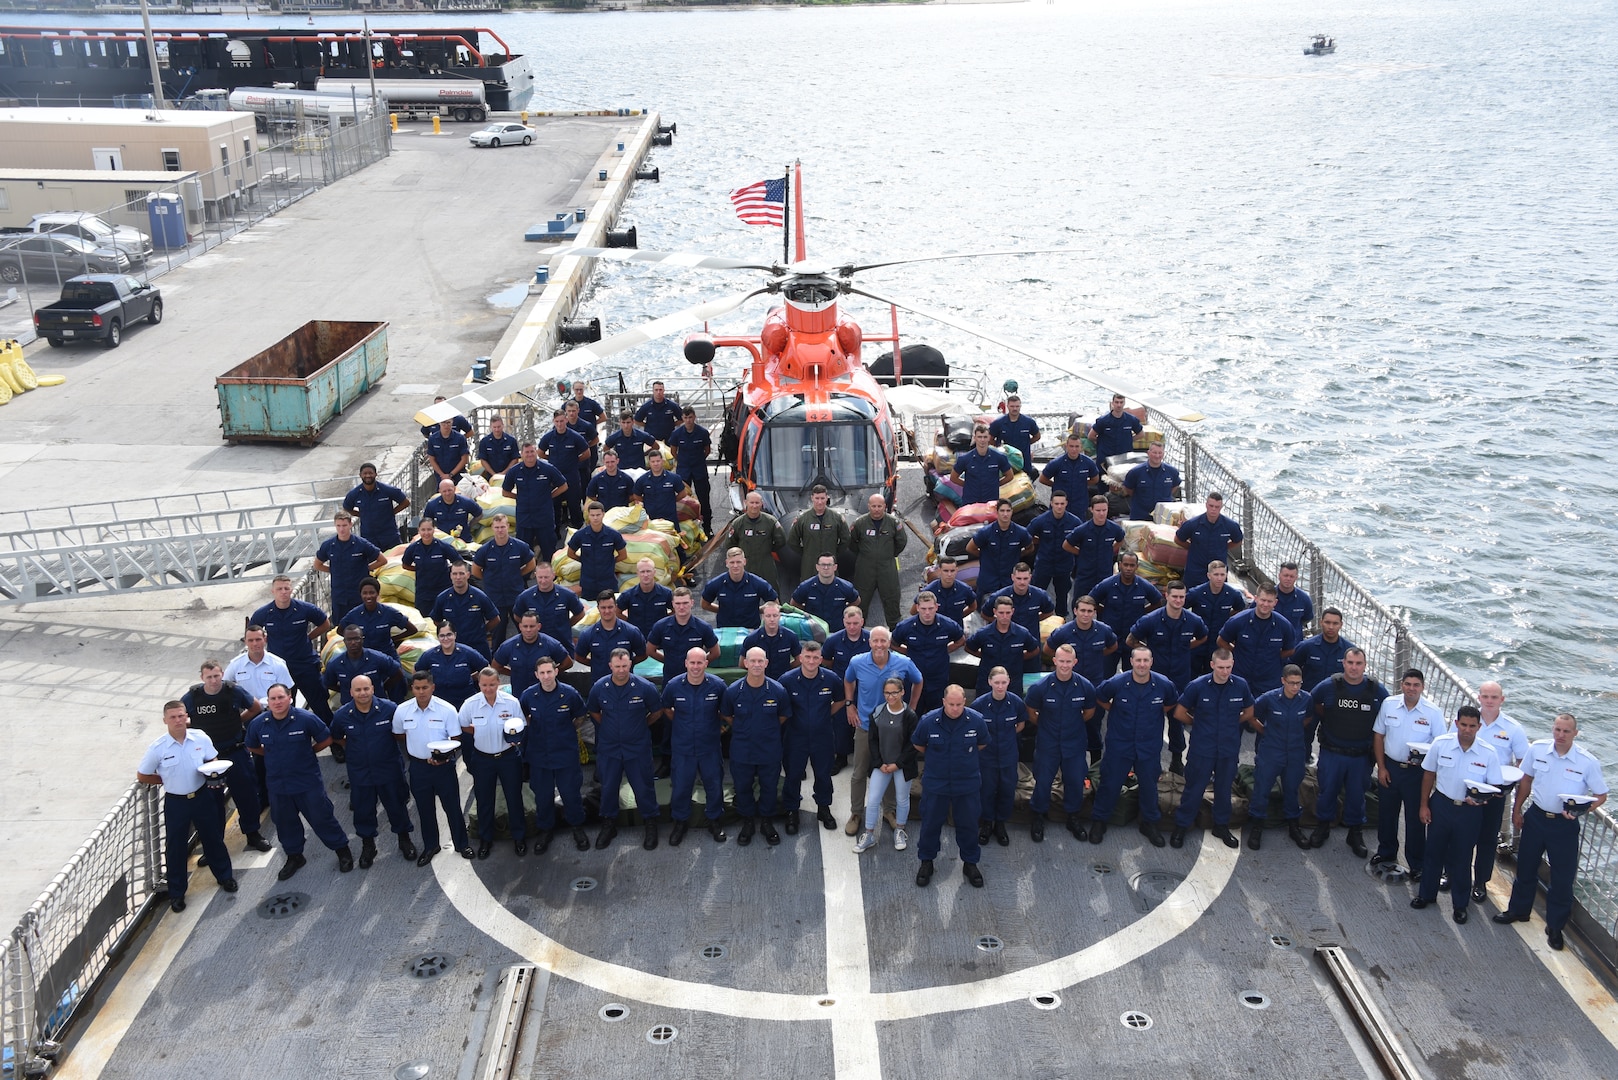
77,929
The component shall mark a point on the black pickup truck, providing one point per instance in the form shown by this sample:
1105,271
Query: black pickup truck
97,307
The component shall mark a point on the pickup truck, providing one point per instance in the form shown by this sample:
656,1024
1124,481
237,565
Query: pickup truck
97,307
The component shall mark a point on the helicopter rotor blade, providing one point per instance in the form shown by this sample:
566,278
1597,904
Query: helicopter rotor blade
492,393
1060,363
689,260
850,269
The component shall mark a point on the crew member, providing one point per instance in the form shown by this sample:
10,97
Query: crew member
693,446
1053,564
630,442
1150,483
1005,716
1114,431
291,627
816,693
1029,606
951,738
467,609
1214,602
494,758
453,514
496,450
569,453
998,546
1123,599
448,452
1207,539
611,487
780,644
1261,640
1451,812
221,710
518,654
172,761
659,414
817,531
1346,708
875,540
349,559
550,748
289,738
691,705
825,595
1282,718
501,566
1291,602
1016,429
1071,472
1137,701
736,596
255,670
623,706
383,625
755,707
559,610
646,603
598,548
1094,645
1060,707
535,486
1215,707
371,755
981,470
928,639
659,491
429,557
1002,643
1409,718
596,644
378,506
419,722
454,669
1094,547
956,599
355,659
1510,744
759,536
676,635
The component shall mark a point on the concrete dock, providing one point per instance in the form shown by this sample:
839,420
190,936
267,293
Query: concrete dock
430,240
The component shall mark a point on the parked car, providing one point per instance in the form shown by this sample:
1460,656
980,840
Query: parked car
97,307
503,134
100,232
56,257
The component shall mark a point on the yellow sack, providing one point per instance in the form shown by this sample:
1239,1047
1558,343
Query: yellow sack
411,650
8,376
626,519
5,392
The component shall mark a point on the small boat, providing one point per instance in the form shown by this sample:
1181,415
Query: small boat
1321,46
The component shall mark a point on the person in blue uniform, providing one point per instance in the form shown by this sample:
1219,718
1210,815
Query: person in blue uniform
1006,717
693,446
494,758
998,546
1291,602
597,547
355,660
587,431
736,596
569,453
559,609
611,487
383,625
1150,483
1402,721
981,470
1216,707
816,693
1029,606
956,599
378,506
1094,645
840,648
1555,770
691,704
590,410
1114,431
658,491
676,635
288,738
631,442
448,452
1094,547
349,559
1346,707
1071,472
1123,599
371,755
453,514
596,644
501,567
468,609
461,423
1138,701
1321,656
1016,429
755,707
1261,640
496,450
172,762
518,655
1214,601
291,628
1173,634
1003,643
1450,810
429,557
928,638
550,748
1060,707
659,414
454,669
646,603
417,724
1053,564
623,706
1208,538
951,740
825,595
780,644
1281,717
221,710
535,485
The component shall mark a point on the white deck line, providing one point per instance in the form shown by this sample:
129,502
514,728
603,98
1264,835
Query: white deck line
855,1052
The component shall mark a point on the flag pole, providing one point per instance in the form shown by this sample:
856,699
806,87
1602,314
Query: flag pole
786,217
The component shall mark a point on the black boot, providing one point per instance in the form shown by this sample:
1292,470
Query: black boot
406,847
745,837
1296,834
345,859
678,833
581,839
649,841
1321,834
1255,836
1356,843
605,836
1036,829
924,872
367,852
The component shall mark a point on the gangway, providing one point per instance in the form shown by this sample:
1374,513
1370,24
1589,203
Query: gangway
164,542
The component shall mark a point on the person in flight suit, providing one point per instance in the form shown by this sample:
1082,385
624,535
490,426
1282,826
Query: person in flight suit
1215,707
172,762
371,755
550,745
691,705
817,531
1451,812
1006,716
623,706
875,540
289,738
1138,701
1060,706
817,707
494,759
760,537
756,707
951,739
1282,719
419,722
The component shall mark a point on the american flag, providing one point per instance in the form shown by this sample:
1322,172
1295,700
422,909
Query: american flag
763,203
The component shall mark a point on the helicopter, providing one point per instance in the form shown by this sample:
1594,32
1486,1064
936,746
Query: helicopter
808,412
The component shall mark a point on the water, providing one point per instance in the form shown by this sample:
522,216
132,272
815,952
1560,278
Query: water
1387,276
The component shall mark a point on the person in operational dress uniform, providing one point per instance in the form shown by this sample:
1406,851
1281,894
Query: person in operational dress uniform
288,738
1006,716
1282,719
1060,706
1216,707
817,708
172,762
951,739
1138,702
371,754
623,706
756,707
550,745
691,705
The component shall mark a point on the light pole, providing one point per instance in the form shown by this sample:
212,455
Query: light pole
151,56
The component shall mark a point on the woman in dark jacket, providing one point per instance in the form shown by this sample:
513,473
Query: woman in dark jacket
893,761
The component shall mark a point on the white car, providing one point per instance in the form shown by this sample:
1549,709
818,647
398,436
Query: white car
502,134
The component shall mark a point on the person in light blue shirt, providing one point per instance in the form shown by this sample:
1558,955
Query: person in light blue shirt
495,758
172,762
862,689
1452,810
1402,722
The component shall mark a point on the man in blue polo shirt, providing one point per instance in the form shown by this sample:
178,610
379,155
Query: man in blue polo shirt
630,442
611,487
692,447
981,470
535,485
1114,430
998,546
496,450
349,559
290,628
863,677
1137,701
1060,706
735,595
596,644
826,595
756,706
1053,564
569,453
1015,429
659,415
1215,707
559,609
501,567
646,603
817,707
1261,641
453,514
1207,538
691,705
597,547
518,655
1150,483
658,491
1094,547
378,507
928,638
468,609
448,452
1072,472
623,706
676,635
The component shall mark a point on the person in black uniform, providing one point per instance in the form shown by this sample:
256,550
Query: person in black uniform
1346,705
221,711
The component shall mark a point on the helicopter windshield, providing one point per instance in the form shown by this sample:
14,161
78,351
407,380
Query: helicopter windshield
794,455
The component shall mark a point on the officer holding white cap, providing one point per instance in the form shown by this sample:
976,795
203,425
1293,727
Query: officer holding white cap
173,761
484,716
1451,808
